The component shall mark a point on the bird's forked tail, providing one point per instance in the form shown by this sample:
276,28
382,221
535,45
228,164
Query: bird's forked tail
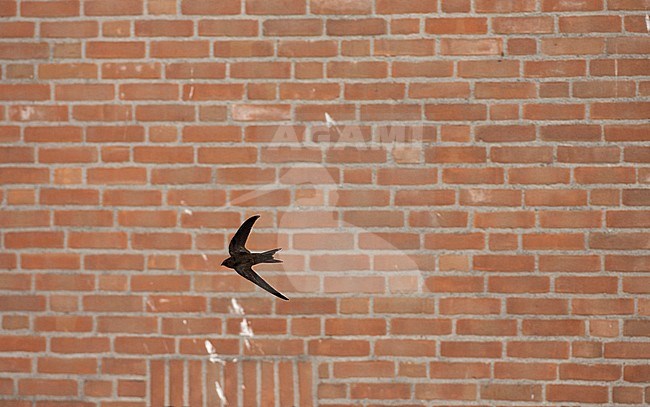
267,257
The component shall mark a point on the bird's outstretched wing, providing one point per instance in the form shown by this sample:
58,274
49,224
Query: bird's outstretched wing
247,272
238,242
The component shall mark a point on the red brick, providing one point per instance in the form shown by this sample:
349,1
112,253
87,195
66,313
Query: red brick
523,25
587,285
69,197
627,45
553,241
340,7
472,175
164,113
456,25
620,111
627,263
619,241
243,48
556,197
629,395
478,306
636,197
459,47
554,112
515,219
455,112
637,373
292,27
112,303
563,327
275,7
161,241
233,28
138,345
260,70
18,50
492,90
439,90
18,365
180,49
108,49
22,303
50,261
15,323
521,154
514,392
516,284
448,241
104,240
13,281
415,47
390,112
528,370
486,327
338,347
490,197
422,69
166,28
459,370
537,349
468,349
371,26
590,24
540,306
626,350
114,262
577,393
363,69
79,345
635,285
405,7
380,391
603,306
307,49
180,175
445,391
80,29
119,7
564,5
195,70
363,369
538,175
492,6
123,70
21,219
122,324
206,7
23,175
504,133
64,324
600,372
543,69
67,155
50,387
261,112
24,92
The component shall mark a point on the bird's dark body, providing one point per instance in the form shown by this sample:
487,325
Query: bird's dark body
242,260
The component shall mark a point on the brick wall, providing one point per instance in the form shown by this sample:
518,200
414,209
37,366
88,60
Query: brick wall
460,188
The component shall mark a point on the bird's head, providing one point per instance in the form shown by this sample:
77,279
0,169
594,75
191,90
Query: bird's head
228,262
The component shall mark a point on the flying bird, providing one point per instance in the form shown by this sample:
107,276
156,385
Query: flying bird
242,260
